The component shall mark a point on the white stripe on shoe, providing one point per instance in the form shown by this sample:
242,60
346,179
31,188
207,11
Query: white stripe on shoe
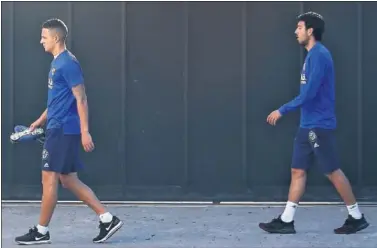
113,230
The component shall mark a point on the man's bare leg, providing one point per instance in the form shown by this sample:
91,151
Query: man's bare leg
343,186
285,224
109,223
40,234
82,192
49,199
296,191
356,221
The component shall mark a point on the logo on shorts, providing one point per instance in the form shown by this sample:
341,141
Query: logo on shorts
312,136
44,154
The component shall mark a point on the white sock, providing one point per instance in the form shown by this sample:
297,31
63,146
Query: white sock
106,217
354,211
42,229
289,212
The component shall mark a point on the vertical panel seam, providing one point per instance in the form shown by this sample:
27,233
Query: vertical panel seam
244,93
359,94
123,128
302,9
185,94
12,97
70,23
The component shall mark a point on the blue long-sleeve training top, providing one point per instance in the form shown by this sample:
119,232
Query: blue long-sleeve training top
317,91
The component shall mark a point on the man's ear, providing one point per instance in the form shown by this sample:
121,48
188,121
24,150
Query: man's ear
56,37
310,31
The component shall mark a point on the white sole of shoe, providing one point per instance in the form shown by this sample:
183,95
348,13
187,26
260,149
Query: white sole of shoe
34,242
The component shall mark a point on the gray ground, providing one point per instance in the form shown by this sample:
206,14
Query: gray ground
190,226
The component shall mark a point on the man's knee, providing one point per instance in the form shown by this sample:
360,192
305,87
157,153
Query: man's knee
49,179
335,174
69,180
298,173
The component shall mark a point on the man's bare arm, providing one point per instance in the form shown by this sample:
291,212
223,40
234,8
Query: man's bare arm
82,106
43,117
40,121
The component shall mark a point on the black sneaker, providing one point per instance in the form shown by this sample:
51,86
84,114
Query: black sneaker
108,229
33,237
352,225
278,226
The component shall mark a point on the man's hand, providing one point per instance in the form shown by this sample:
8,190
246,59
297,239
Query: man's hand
273,117
36,124
40,122
87,141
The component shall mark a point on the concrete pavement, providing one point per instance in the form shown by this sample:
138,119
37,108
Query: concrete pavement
190,226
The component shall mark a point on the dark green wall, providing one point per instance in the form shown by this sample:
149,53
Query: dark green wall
179,94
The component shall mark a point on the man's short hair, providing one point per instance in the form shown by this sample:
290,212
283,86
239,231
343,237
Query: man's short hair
315,21
58,26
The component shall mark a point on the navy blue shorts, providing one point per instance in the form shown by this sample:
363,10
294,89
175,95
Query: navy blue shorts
61,152
315,145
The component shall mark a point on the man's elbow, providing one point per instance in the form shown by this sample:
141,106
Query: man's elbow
82,100
307,99
310,96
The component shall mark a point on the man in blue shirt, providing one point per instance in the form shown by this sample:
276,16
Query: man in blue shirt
66,119
315,138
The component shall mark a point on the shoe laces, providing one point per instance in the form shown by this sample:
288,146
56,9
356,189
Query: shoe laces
32,231
101,225
348,221
277,220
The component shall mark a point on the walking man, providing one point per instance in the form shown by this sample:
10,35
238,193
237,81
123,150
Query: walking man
315,137
66,119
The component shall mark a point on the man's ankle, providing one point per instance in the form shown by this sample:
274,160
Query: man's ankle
42,229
